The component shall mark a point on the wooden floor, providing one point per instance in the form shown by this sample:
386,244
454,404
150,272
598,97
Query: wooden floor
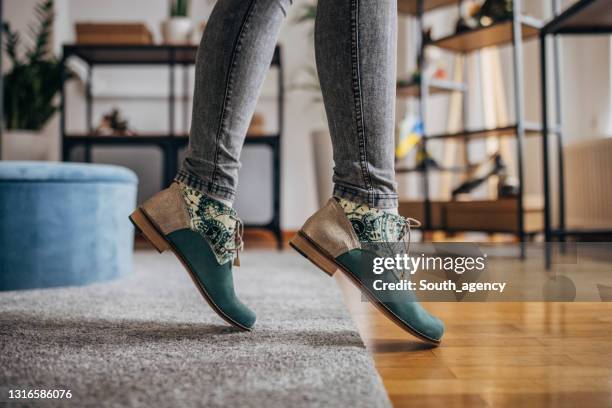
495,354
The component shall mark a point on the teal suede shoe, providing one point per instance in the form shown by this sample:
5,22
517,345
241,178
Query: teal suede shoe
205,235
341,237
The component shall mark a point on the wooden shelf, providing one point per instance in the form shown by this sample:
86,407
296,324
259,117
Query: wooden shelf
584,16
132,54
479,215
113,54
494,35
531,129
416,209
494,215
405,170
436,86
410,6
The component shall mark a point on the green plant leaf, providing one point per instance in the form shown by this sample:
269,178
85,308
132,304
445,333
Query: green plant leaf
13,41
31,86
179,8
41,35
308,13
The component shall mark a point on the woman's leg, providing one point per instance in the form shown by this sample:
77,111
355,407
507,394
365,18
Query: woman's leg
356,60
355,47
193,218
233,59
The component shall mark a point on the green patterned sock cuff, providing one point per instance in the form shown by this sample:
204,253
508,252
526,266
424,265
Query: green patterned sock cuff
215,221
373,225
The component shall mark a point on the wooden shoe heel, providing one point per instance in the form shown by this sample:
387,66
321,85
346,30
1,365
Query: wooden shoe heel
303,245
148,230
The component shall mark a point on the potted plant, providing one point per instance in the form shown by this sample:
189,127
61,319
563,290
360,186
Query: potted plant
30,89
179,28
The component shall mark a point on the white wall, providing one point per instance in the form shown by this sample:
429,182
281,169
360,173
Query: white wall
586,87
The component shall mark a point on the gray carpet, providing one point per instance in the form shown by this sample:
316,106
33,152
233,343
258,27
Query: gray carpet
151,341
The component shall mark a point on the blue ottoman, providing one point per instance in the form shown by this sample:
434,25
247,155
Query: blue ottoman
64,224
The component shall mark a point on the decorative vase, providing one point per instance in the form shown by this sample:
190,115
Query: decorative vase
24,145
177,31
36,145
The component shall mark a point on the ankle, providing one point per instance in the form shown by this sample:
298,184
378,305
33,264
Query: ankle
187,189
373,224
217,222
390,210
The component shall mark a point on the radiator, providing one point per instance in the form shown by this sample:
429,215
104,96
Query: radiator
588,184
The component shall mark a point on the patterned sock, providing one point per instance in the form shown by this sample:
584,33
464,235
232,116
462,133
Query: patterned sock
217,222
372,224
391,210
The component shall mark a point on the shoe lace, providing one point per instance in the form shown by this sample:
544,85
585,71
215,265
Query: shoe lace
238,233
406,233
238,241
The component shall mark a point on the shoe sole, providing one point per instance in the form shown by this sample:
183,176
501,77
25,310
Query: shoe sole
318,256
151,234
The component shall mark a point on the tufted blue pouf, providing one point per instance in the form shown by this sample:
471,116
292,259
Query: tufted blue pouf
64,224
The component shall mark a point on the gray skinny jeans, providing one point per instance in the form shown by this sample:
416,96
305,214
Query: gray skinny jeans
355,44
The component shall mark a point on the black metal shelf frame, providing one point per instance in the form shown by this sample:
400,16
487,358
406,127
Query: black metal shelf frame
518,130
169,143
585,17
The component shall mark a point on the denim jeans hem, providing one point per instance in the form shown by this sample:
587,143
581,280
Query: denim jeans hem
372,199
206,187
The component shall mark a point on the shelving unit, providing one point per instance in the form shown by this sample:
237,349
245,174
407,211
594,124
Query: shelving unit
531,129
171,141
585,17
412,6
435,86
478,38
520,216
490,216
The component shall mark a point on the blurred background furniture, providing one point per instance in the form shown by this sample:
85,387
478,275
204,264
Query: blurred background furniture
518,214
588,165
171,141
64,224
